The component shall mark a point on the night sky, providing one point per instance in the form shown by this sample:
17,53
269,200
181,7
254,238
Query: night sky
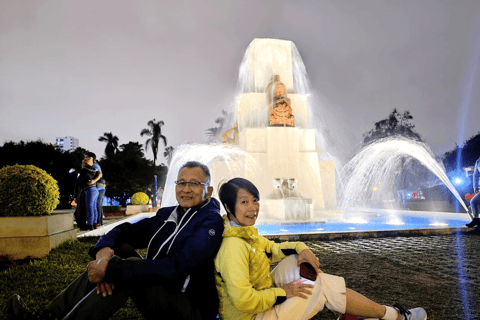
82,68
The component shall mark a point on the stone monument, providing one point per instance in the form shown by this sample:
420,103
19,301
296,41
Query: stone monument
297,185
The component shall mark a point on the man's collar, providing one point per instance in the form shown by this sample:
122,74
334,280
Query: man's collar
200,206
179,211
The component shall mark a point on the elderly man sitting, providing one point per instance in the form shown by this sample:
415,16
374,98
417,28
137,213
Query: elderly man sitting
174,281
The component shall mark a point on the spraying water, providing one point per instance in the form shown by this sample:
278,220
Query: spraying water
378,163
320,116
238,163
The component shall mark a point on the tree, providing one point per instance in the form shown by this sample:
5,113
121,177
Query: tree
168,153
132,149
395,125
126,172
49,158
112,143
155,132
213,133
463,156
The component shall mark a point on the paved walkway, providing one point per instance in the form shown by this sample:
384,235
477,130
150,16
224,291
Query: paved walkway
110,225
439,272
455,257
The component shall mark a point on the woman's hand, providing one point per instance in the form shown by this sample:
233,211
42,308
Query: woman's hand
297,290
307,256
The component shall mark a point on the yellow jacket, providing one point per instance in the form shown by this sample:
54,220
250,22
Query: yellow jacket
242,276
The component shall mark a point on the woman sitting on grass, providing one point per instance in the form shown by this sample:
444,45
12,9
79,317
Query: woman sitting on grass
247,289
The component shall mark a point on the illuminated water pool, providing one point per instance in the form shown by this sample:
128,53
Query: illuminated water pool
371,221
356,222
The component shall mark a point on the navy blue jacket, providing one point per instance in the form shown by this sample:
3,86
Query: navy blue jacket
175,253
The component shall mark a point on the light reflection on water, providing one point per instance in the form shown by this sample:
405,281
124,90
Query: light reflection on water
377,223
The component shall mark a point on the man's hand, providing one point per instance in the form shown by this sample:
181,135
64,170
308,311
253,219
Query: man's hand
297,290
105,288
96,273
307,256
96,270
90,182
105,253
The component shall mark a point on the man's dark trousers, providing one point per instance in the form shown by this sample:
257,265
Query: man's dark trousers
81,301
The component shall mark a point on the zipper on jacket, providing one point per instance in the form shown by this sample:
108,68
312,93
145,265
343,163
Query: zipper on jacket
208,201
180,229
174,234
148,247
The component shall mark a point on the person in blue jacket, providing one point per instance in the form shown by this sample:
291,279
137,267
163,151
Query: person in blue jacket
99,181
86,187
176,278
475,201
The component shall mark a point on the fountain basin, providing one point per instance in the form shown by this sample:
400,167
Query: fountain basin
363,223
368,224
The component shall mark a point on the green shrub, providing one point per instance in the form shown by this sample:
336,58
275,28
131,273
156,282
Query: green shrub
109,209
26,190
140,198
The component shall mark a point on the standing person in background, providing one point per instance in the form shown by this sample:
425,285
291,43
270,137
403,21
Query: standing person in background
149,194
100,184
475,201
86,186
159,196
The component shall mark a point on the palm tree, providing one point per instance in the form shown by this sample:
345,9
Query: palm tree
168,154
112,143
213,133
132,149
155,132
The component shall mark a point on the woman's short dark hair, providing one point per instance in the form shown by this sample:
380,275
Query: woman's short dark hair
229,190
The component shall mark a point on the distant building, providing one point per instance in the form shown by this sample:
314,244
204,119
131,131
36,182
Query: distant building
67,143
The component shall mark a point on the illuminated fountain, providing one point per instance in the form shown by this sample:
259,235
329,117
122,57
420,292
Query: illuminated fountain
273,143
381,161
270,127
369,178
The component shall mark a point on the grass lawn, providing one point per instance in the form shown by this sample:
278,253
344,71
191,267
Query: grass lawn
39,281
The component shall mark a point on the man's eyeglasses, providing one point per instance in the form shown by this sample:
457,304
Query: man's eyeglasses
193,184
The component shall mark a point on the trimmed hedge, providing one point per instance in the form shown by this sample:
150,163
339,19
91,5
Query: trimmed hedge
140,198
26,190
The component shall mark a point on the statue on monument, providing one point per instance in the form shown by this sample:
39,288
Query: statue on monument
280,112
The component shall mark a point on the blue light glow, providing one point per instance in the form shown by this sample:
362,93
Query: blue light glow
462,274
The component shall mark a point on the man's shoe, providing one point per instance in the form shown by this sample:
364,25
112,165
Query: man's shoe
16,309
474,223
411,314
